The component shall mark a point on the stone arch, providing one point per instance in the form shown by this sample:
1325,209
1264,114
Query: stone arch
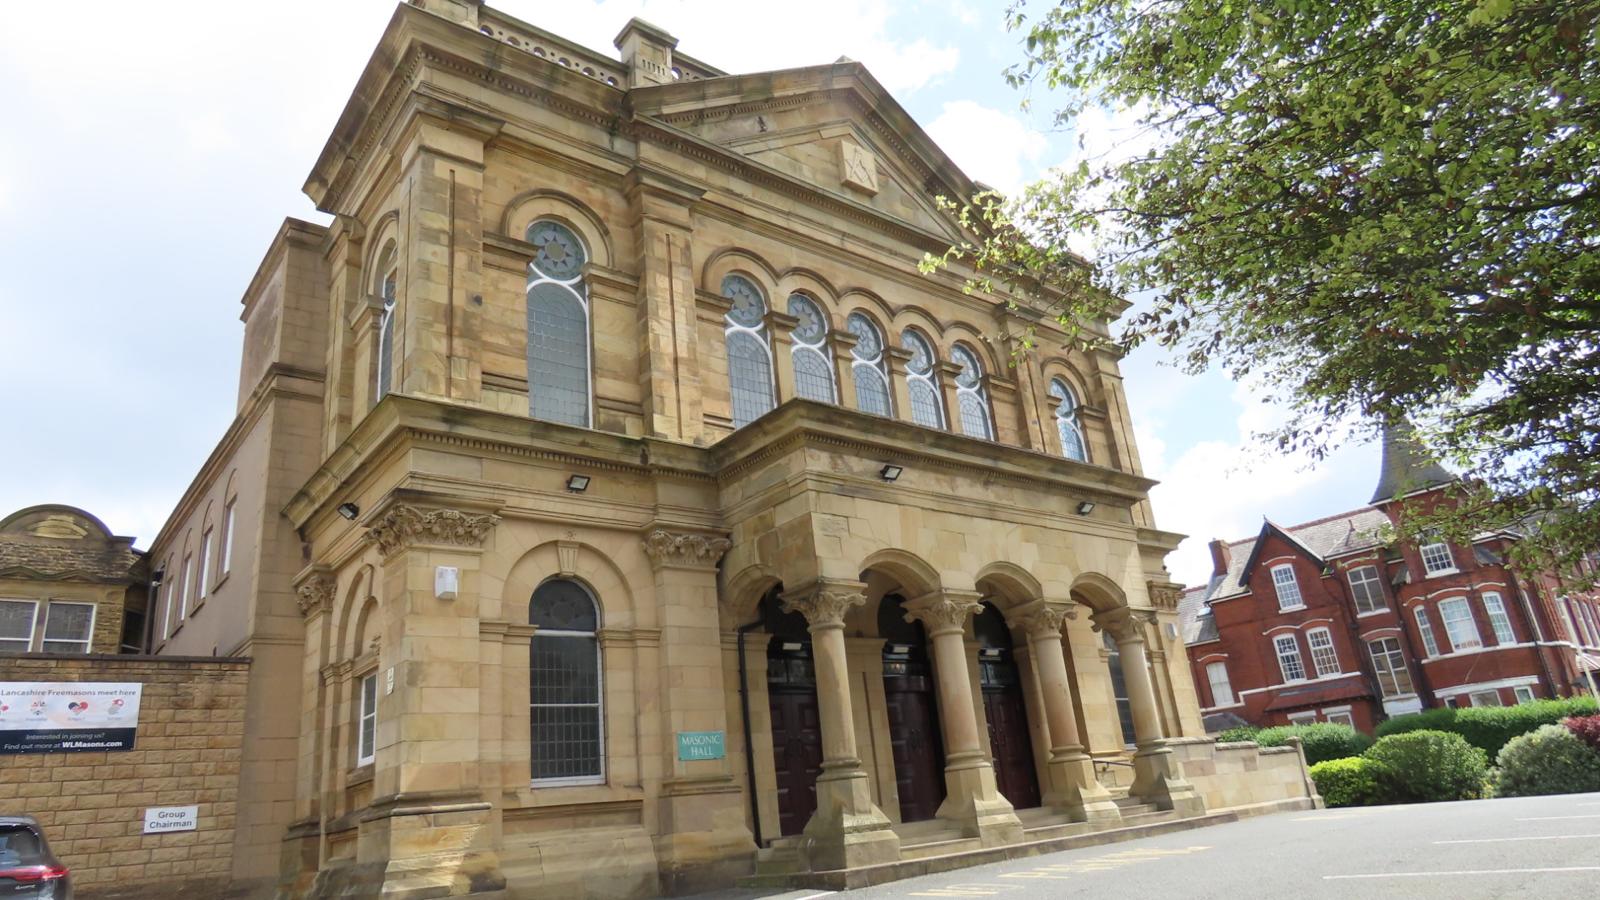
798,279
385,231
369,628
975,340
742,593
924,321
876,308
1098,592
579,562
915,576
1009,586
738,260
532,206
350,609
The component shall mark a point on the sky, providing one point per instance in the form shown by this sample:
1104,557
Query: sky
151,151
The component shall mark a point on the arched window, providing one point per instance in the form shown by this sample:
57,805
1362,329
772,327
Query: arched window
558,326
922,382
868,366
1119,689
564,690
749,355
1067,424
813,370
387,283
970,395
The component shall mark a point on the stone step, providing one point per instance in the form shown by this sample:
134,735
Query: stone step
782,858
1045,832
931,849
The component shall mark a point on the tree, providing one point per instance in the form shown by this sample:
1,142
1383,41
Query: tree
1384,208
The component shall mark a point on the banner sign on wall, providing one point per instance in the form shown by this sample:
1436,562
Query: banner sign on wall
67,716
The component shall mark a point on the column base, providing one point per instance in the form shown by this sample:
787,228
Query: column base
1075,791
848,829
707,843
425,850
1158,780
973,800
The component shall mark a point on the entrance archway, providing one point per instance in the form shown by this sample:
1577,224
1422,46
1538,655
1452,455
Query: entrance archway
1010,743
909,699
796,722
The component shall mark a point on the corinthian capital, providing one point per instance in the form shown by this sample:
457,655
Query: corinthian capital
1164,595
698,551
943,611
825,603
1044,620
403,525
314,590
1123,622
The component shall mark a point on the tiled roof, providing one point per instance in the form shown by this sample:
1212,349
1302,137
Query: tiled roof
1406,466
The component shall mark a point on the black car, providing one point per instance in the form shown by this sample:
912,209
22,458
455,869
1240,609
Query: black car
28,871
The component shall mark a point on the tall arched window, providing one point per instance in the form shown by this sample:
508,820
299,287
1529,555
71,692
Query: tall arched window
868,366
922,382
558,326
1067,424
388,280
1119,689
564,687
749,355
970,395
813,370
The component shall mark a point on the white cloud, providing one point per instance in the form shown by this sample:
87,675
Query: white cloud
989,145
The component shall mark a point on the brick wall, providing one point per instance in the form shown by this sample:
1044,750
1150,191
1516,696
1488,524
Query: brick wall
186,752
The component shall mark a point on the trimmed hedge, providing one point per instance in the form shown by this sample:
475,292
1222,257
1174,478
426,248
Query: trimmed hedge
1548,760
1489,727
1239,733
1428,766
1321,741
1587,728
1355,781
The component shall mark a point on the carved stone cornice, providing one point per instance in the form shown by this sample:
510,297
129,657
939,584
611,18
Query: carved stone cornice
1164,595
825,603
942,612
1043,620
684,550
314,591
403,525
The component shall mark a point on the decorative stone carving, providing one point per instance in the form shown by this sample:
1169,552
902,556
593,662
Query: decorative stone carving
1044,621
940,613
857,167
824,606
315,593
694,550
1164,595
403,525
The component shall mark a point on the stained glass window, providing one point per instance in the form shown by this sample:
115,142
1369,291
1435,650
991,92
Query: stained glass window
867,365
922,381
564,684
970,395
813,371
749,354
1067,424
558,326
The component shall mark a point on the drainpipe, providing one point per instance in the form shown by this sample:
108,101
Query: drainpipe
1538,631
749,749
1358,646
152,590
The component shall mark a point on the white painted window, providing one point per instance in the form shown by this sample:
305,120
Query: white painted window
1389,663
1289,657
971,396
1430,645
1366,588
749,352
1221,687
367,739
1485,698
184,582
1459,624
922,380
205,565
68,627
226,561
17,624
869,366
1495,609
813,362
1436,559
1302,718
170,578
1067,424
1324,659
1283,581
557,311
1339,717
1524,693
388,280
565,685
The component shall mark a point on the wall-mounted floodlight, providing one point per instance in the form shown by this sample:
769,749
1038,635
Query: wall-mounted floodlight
348,510
890,471
1085,507
577,483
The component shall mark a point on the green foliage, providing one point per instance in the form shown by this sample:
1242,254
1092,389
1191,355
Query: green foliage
1321,741
1239,733
1429,766
1353,781
1490,727
1548,760
1376,207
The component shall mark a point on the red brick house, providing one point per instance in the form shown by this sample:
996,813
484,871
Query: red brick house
1324,622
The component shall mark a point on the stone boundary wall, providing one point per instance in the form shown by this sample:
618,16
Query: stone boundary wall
1242,774
186,752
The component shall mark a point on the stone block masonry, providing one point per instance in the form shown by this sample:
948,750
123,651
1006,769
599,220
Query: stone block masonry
186,753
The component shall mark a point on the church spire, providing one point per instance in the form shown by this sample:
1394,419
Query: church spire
1407,467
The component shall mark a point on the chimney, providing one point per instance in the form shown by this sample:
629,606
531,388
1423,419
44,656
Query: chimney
647,52
1221,557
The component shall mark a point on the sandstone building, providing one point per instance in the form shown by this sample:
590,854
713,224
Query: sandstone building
612,507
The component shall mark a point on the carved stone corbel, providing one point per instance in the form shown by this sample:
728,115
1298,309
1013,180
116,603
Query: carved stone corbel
825,603
403,525
684,550
314,590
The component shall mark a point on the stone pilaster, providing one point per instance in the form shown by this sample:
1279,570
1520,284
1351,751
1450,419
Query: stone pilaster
971,796
848,829
669,359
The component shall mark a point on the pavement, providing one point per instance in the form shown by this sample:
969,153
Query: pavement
1536,847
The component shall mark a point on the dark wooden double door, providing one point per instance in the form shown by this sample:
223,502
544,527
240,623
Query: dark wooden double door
1009,740
796,736
914,737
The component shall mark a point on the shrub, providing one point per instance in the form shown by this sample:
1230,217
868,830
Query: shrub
1549,760
1587,728
1431,765
1322,741
1238,733
1353,781
1489,727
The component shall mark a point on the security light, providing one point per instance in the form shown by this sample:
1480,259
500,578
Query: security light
792,646
577,483
890,471
349,510
1085,507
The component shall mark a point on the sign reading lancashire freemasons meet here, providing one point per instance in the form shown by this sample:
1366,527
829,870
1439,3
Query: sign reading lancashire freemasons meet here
67,717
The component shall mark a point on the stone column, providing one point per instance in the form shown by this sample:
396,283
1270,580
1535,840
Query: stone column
780,333
669,359
1158,776
971,796
848,830
842,344
1073,788
899,388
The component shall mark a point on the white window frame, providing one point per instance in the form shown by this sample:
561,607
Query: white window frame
877,365
170,583
1437,549
44,629
181,589
1308,717
1370,584
1293,585
1463,618
225,561
1339,715
1383,661
1326,662
204,585
1494,609
600,704
388,295
1293,656
1524,694
33,626
1430,643
975,391
930,378
1224,695
578,287
1065,411
367,711
1472,698
798,346
757,332
188,588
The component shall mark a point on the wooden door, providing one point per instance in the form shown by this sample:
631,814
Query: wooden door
796,739
914,739
1014,772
